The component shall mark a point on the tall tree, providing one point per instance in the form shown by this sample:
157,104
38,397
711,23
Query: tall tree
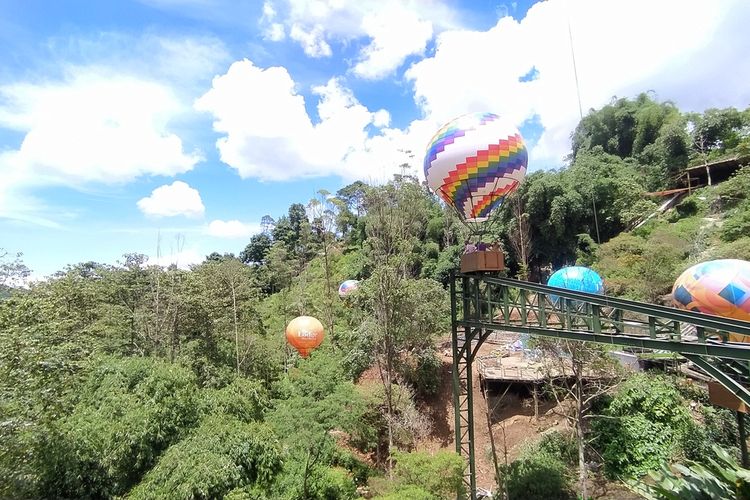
323,213
585,372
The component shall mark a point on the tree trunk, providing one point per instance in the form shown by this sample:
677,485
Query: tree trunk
328,287
581,438
236,329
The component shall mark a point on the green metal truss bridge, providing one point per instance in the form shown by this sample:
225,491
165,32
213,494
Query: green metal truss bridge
483,303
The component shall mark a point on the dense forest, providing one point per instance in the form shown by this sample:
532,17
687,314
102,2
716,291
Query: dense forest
133,380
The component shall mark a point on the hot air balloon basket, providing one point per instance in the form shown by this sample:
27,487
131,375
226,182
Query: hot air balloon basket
720,396
482,261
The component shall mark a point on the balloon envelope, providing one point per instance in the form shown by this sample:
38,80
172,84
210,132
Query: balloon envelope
474,162
578,278
348,287
718,287
304,333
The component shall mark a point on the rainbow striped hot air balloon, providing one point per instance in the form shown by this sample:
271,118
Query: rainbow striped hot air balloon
474,162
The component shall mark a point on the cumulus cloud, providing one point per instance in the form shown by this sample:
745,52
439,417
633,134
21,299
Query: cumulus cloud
396,34
232,229
621,48
267,133
394,29
92,128
520,69
102,116
174,199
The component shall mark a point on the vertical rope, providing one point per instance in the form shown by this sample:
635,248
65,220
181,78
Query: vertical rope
580,114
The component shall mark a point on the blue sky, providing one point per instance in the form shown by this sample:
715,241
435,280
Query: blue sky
131,125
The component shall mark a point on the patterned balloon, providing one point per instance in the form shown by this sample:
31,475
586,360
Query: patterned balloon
578,278
304,333
474,162
718,287
348,287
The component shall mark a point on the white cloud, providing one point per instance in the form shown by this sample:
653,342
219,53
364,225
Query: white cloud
232,229
92,128
680,50
177,198
275,32
394,29
103,115
269,135
311,39
396,33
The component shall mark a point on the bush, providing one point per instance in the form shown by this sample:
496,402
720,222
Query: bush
221,455
736,189
407,493
422,371
243,399
537,477
561,446
686,208
720,478
644,425
440,474
719,427
130,411
737,224
738,249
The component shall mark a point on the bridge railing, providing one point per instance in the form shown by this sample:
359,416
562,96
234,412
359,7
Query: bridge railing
492,302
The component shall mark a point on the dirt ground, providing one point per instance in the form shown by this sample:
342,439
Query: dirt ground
512,422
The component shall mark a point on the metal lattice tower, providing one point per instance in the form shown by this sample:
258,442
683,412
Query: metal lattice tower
481,304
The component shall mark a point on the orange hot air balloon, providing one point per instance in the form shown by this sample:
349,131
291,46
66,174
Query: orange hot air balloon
304,333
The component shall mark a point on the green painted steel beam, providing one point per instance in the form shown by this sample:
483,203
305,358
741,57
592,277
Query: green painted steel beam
721,350
729,383
690,317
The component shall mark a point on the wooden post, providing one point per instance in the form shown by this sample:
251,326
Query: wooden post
536,401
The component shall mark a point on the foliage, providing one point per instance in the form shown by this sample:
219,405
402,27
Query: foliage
222,454
737,223
409,492
719,477
257,250
13,271
129,412
537,476
112,377
439,474
422,371
243,399
644,424
561,446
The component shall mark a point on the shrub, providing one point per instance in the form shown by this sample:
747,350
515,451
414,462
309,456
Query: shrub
737,224
422,371
407,493
540,476
561,446
720,478
440,474
643,426
244,399
129,412
221,455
